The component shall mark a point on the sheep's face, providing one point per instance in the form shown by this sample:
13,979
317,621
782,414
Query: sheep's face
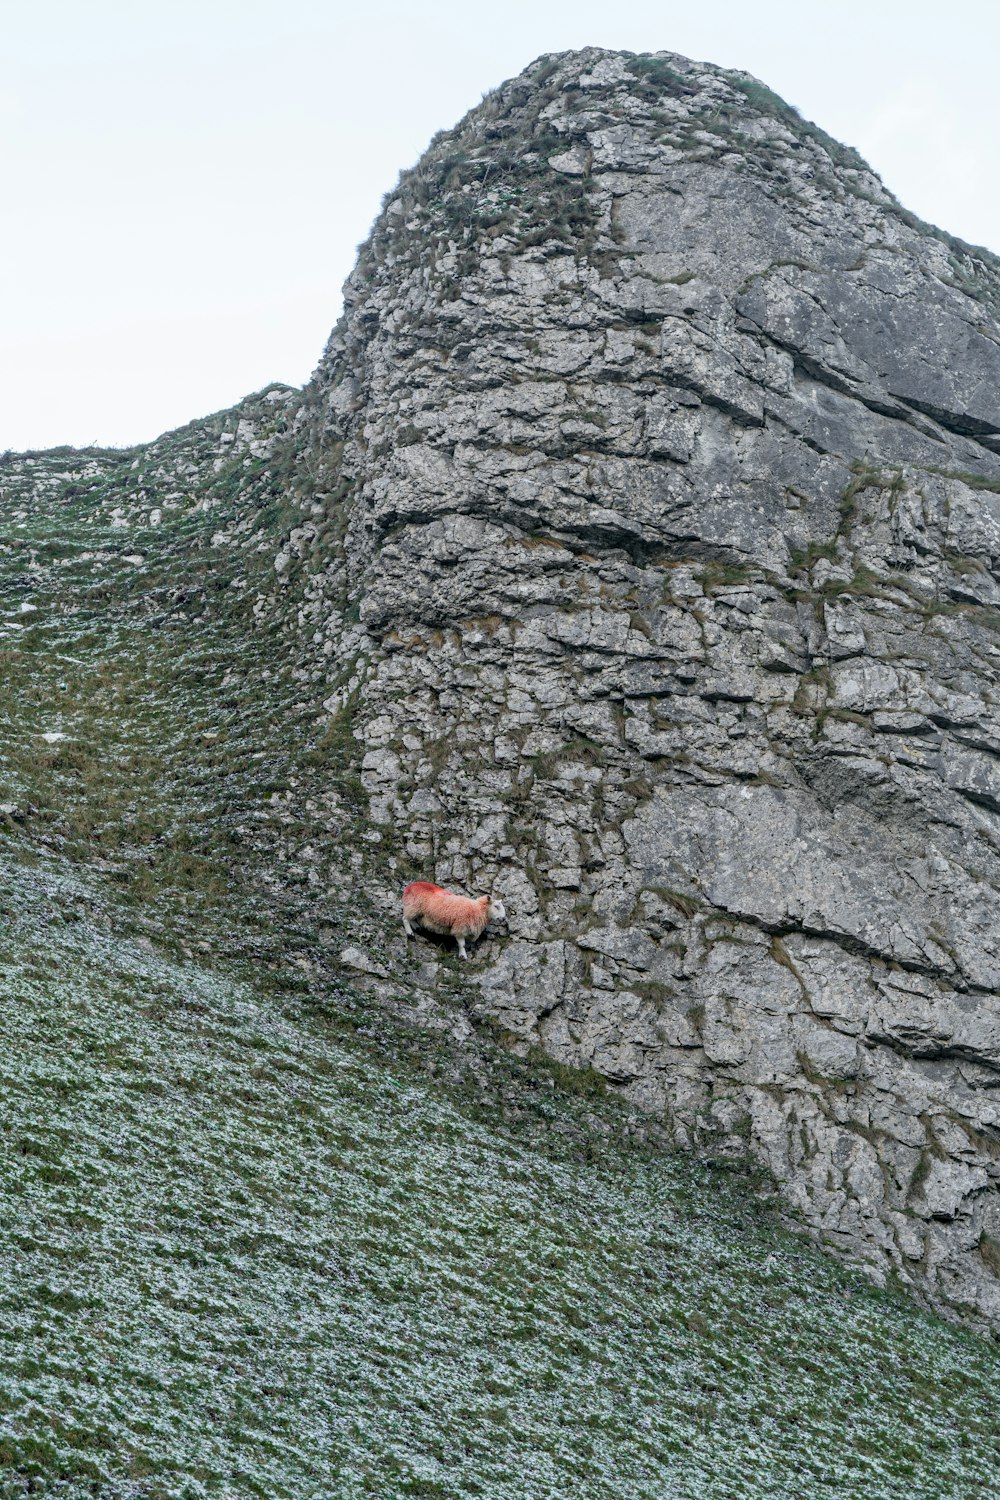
498,912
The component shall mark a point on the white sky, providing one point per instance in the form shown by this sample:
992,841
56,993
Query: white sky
185,181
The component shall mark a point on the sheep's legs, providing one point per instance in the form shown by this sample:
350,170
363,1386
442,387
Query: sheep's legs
459,940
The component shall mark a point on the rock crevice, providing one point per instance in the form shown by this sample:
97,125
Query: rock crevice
674,525
635,553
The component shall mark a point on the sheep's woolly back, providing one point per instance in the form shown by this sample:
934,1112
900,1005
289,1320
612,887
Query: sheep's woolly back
444,912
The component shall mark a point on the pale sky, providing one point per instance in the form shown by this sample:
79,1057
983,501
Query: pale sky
185,182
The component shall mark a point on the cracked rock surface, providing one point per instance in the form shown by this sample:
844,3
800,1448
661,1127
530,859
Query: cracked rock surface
640,545
671,454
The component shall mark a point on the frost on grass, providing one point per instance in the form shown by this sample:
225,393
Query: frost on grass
250,1252
257,1239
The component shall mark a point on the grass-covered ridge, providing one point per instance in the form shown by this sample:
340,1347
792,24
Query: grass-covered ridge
258,1237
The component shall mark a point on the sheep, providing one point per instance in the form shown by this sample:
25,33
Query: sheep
443,912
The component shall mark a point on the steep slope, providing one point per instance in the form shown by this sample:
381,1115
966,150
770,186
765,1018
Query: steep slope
258,1245
259,1237
671,451
632,551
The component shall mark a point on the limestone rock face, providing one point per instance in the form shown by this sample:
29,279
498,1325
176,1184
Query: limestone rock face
669,452
634,554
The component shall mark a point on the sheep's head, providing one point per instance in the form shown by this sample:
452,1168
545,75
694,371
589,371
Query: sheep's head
496,910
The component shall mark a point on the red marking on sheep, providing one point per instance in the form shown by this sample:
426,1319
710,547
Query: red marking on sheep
446,913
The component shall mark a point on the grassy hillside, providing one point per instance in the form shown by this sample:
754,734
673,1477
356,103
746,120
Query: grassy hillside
259,1237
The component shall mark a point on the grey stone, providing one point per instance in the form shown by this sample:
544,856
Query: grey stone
650,558
671,524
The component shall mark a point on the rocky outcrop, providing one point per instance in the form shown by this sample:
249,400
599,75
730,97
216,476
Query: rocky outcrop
667,446
638,539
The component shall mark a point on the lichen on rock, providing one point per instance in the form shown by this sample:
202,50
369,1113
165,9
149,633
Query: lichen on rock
634,553
672,450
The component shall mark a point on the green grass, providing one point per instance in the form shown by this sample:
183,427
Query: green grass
966,477
256,1245
768,102
261,1239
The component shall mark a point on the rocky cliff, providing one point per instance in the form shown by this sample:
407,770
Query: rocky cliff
670,453
636,543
